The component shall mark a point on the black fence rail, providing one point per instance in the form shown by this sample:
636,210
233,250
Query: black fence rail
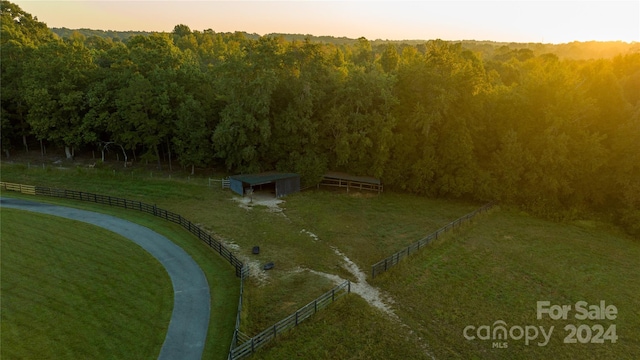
251,345
383,265
241,270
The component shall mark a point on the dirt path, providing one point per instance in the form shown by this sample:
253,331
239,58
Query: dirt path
189,322
374,296
371,294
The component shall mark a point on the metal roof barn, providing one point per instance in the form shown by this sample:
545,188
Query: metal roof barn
283,183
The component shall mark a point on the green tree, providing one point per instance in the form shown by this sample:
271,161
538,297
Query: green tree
305,82
20,35
195,117
435,151
357,128
389,59
56,82
246,81
192,136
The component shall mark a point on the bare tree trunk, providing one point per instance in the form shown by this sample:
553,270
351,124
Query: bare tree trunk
43,150
68,152
125,155
24,142
192,168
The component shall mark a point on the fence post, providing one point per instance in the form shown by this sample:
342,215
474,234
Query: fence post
348,287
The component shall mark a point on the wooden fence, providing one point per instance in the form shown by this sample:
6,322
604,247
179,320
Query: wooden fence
248,346
241,270
25,189
238,337
351,184
385,264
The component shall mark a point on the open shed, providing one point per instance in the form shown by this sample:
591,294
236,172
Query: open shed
280,184
343,180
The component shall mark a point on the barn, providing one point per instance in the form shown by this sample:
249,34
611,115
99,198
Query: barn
279,184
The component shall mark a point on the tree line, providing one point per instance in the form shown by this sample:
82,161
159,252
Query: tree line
558,137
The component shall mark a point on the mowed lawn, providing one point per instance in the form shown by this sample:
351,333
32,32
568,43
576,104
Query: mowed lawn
500,267
75,291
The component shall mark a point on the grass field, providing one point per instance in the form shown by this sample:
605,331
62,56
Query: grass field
494,269
501,267
220,276
72,290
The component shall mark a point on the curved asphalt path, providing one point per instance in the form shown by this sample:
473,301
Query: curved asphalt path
191,306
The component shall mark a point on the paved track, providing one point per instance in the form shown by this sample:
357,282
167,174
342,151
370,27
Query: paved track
191,307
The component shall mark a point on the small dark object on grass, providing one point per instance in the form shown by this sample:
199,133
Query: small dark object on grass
268,266
256,250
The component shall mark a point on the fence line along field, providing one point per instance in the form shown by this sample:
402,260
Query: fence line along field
496,268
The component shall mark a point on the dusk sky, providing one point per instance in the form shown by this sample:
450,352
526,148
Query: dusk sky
517,21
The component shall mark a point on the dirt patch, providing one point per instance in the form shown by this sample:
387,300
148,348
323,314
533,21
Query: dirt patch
312,235
257,272
371,294
259,199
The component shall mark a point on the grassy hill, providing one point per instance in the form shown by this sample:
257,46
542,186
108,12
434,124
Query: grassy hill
494,269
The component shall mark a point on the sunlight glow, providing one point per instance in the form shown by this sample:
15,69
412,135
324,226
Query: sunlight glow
509,21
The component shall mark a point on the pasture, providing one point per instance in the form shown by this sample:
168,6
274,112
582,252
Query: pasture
218,272
72,290
496,268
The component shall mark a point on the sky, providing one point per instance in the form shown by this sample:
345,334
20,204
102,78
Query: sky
503,21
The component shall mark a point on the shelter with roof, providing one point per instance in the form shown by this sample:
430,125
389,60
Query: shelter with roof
343,180
280,184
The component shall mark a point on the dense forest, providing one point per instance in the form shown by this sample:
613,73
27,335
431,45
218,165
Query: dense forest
555,135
